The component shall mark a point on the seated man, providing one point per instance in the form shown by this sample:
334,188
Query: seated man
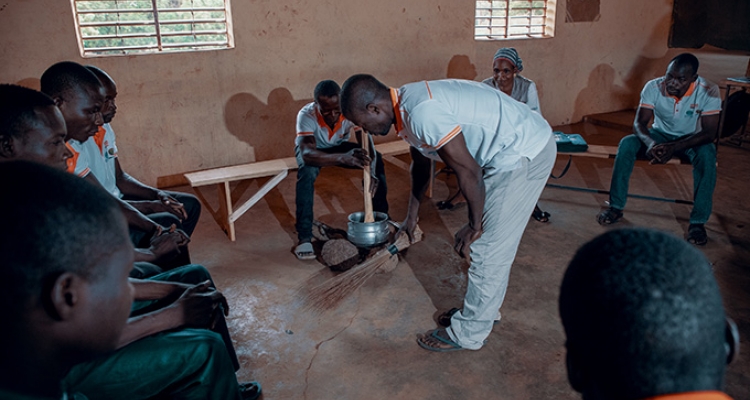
63,262
78,94
32,129
643,319
685,108
164,207
323,140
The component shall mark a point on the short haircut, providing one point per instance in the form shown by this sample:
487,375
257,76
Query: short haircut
643,313
54,222
17,109
64,77
327,88
686,60
358,91
99,73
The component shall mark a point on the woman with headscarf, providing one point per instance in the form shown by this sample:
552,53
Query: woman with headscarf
505,66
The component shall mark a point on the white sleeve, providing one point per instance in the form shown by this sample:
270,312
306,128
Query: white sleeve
532,96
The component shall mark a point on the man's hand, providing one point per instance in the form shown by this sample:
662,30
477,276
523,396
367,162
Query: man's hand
181,237
200,306
167,246
464,238
408,228
661,153
175,207
357,158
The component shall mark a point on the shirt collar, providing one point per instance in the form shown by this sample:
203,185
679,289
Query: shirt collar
397,110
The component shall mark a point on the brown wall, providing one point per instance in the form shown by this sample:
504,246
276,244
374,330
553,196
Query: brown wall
189,111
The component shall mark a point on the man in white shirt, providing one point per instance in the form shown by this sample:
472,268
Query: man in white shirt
323,140
502,153
685,109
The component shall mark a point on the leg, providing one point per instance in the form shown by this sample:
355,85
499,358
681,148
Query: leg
703,159
190,274
305,192
510,198
380,201
143,270
627,152
186,364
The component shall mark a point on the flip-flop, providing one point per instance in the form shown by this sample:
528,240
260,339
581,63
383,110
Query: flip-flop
305,251
541,216
697,234
434,334
609,216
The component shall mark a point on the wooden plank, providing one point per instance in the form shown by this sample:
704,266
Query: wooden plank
240,172
393,148
598,151
257,196
225,210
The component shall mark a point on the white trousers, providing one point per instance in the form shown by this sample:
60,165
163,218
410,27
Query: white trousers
510,197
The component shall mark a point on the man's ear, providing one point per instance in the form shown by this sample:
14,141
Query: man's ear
65,295
7,146
576,375
59,102
373,108
731,340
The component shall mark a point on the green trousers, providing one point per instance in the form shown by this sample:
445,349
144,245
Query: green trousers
185,364
182,364
702,157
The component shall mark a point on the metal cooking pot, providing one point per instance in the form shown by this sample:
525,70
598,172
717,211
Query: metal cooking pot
367,234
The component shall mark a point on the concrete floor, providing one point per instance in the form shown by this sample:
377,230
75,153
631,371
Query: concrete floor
366,348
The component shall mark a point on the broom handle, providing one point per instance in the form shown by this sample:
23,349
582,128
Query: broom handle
368,197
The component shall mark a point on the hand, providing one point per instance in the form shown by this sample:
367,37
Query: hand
175,207
167,246
181,237
355,158
464,238
373,185
661,153
201,305
408,227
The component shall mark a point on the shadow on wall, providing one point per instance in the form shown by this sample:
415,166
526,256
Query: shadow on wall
31,83
601,90
268,127
460,67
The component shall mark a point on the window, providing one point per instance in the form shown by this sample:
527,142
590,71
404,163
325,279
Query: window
514,19
126,27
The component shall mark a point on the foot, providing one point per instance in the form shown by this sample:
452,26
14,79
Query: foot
250,390
437,340
539,215
609,216
305,251
697,234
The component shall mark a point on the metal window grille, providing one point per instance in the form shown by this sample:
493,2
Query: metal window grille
126,27
514,19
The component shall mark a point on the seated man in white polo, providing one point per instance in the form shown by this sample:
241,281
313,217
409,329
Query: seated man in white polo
323,140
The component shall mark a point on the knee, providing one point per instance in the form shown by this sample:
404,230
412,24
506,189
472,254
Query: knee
191,203
307,173
629,146
195,274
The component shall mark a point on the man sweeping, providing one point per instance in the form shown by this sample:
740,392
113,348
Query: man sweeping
502,153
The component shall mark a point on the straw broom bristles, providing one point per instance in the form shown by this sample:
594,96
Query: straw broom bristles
330,293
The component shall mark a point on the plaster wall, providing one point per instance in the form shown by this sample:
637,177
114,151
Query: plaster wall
189,111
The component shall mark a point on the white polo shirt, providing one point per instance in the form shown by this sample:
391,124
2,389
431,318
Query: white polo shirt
498,130
97,156
680,117
310,122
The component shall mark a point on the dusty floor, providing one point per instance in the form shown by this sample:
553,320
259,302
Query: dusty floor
366,349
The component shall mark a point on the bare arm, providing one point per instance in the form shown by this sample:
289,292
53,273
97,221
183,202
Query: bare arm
198,307
420,178
456,155
640,128
155,200
134,217
312,156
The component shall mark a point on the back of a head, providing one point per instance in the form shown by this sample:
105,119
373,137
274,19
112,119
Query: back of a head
686,60
66,76
54,222
327,88
643,316
17,109
358,91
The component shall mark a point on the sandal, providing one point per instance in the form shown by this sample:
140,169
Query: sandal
304,251
250,390
609,216
539,215
697,234
433,341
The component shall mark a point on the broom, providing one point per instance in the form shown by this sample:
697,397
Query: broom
330,293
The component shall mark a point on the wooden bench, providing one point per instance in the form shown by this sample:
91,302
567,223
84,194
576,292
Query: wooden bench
226,214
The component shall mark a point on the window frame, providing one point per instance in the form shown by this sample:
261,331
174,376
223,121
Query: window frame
547,26
160,47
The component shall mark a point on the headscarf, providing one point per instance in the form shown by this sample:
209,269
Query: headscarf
511,55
